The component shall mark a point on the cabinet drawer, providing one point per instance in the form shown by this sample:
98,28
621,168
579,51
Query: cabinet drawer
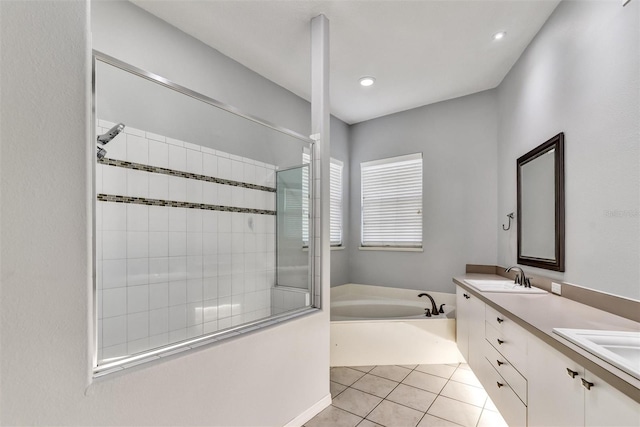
503,396
512,344
507,371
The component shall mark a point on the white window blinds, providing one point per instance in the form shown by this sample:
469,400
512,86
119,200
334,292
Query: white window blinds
392,202
335,189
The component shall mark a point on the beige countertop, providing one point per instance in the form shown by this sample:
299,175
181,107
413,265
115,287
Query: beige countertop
539,314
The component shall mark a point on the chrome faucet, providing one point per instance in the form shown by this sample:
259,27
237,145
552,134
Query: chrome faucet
434,307
520,279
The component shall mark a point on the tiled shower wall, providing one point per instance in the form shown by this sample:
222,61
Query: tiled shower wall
185,241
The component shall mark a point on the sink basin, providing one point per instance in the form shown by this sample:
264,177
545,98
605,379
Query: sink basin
502,286
620,348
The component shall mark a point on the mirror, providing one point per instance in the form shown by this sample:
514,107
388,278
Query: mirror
541,206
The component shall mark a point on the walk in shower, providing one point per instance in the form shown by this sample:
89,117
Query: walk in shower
202,225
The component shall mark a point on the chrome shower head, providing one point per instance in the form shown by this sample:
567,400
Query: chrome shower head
111,133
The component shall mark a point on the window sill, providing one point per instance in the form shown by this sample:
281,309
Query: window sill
390,248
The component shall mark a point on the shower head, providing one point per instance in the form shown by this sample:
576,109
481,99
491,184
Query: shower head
111,133
101,153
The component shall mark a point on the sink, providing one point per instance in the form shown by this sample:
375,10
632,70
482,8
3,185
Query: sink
620,348
502,286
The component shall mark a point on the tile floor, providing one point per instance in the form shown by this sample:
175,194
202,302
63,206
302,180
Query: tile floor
407,396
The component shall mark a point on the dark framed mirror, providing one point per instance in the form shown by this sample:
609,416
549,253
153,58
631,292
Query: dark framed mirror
541,205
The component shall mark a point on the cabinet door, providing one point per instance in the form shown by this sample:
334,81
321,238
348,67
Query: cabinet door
556,395
462,322
476,310
607,407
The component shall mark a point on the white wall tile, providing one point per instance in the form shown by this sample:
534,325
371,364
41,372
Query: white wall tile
238,223
137,183
190,146
177,292
194,314
237,197
117,148
224,195
134,131
210,314
114,215
158,154
137,271
194,244
159,340
177,158
137,149
114,273
177,189
114,302
194,290
177,268
224,243
158,269
194,191
194,331
137,244
224,221
194,267
155,136
209,243
114,245
137,217
209,265
237,243
175,142
177,219
210,288
137,326
224,264
224,286
209,221
250,173
194,161
194,220
178,335
159,321
159,218
158,295
224,168
177,243
114,180
114,331
137,299
177,317
237,170
158,186
158,244
210,193
237,304
224,323
224,307
209,165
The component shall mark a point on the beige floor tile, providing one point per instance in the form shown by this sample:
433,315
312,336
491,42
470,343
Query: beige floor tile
408,366
425,381
336,388
356,401
465,393
465,366
333,417
455,411
393,373
491,419
391,414
444,371
377,386
465,376
345,376
431,421
367,423
412,397
364,369
490,405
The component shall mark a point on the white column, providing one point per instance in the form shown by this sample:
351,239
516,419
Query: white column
320,117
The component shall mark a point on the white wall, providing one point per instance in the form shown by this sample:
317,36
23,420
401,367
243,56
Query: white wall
458,141
340,150
265,378
580,76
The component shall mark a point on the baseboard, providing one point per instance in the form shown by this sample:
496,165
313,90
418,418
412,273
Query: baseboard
310,413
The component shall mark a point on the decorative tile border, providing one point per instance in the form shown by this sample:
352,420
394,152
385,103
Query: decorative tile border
188,175
175,204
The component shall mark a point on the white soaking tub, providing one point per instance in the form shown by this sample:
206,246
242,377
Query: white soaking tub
374,325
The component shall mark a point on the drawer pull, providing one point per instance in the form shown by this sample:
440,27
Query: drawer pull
500,384
586,384
499,320
571,373
502,363
500,341
466,296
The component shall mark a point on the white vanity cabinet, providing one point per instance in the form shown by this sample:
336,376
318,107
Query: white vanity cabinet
469,327
558,397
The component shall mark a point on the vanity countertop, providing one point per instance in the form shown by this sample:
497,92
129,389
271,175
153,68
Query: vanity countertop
539,314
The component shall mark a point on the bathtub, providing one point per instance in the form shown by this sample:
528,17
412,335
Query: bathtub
374,325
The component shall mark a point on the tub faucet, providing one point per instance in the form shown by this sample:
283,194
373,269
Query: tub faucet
434,307
520,279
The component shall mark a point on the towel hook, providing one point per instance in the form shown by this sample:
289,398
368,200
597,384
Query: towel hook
510,216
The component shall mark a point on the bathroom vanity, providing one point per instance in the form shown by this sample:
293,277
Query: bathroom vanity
534,376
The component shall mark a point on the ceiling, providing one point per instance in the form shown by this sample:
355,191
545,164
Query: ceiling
419,51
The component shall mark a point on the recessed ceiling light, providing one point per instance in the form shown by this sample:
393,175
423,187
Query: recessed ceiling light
500,35
367,81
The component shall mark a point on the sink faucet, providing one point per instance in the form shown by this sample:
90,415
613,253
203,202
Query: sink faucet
434,307
520,279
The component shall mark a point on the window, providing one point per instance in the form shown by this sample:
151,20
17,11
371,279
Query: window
335,199
392,202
